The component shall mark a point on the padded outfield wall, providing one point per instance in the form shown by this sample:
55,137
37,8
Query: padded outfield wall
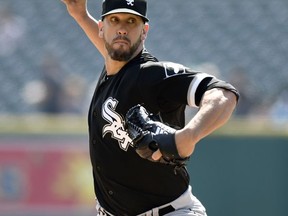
242,175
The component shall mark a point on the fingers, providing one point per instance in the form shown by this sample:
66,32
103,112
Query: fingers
156,155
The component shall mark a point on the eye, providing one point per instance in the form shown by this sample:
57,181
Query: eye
131,21
114,19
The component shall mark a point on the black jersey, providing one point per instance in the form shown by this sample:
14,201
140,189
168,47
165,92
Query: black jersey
126,184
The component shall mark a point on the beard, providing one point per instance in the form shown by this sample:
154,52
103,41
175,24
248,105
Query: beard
121,54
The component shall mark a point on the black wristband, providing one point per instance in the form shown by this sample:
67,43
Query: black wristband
167,146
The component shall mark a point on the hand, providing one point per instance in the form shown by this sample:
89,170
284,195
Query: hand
152,139
76,8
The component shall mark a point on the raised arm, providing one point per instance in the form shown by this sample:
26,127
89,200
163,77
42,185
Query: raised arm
78,10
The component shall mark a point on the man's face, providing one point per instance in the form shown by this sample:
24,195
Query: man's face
123,35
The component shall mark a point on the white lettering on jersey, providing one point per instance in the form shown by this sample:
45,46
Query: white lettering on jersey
160,131
130,2
173,68
115,126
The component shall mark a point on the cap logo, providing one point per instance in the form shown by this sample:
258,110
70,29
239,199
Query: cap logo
136,7
130,2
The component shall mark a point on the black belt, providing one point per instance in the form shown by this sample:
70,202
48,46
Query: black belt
161,211
165,210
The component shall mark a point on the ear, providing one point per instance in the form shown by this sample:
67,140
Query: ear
100,27
145,31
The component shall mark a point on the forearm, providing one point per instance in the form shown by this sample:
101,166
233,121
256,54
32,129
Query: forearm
216,108
90,26
78,10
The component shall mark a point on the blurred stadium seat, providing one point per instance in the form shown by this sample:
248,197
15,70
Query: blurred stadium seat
251,34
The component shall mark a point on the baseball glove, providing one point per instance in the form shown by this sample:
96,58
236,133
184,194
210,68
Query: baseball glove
149,134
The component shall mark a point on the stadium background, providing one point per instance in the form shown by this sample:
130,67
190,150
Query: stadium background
48,70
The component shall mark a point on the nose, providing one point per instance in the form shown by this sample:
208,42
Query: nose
122,30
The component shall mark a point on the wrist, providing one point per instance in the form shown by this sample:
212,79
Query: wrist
185,142
81,16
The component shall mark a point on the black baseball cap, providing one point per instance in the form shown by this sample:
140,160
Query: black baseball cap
137,7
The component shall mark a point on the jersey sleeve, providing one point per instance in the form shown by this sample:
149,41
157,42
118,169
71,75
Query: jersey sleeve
168,85
203,82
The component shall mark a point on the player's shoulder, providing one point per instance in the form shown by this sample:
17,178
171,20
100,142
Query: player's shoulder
151,65
168,67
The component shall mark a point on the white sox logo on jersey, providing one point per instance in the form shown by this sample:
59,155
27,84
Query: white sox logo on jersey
115,126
